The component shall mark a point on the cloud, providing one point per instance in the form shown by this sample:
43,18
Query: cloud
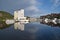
55,4
33,10
30,6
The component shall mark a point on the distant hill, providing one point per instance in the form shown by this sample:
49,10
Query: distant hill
5,15
51,16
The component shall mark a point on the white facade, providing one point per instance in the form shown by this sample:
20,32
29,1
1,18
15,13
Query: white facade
19,15
15,15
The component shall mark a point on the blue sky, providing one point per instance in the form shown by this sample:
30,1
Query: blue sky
33,8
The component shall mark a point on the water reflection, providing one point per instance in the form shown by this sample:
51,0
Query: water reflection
19,26
31,31
51,24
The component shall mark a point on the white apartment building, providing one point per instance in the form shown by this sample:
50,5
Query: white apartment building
19,15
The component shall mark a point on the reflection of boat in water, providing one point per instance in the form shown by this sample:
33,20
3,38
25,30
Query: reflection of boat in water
51,24
54,21
47,20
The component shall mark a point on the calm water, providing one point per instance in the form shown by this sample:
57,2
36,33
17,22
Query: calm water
30,31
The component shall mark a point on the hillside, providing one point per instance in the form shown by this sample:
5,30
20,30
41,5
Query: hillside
51,16
4,25
5,15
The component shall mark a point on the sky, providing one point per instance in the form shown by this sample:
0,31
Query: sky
33,8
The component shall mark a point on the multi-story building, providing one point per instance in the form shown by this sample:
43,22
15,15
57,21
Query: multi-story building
19,15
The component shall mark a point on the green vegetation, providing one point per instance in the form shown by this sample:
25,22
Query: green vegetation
3,25
5,15
51,16
27,17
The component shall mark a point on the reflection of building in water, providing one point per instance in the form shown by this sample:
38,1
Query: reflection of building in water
19,26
